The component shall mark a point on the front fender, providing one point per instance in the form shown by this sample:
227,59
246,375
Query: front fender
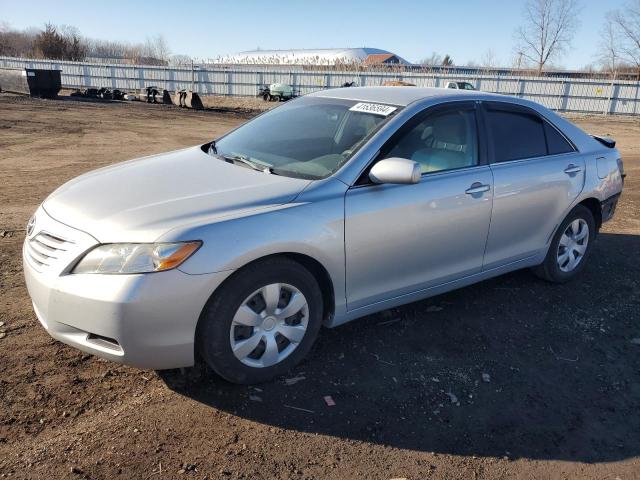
313,226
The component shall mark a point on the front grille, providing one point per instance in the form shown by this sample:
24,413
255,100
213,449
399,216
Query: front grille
45,249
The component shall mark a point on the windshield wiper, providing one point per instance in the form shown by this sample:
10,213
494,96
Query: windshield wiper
245,161
242,159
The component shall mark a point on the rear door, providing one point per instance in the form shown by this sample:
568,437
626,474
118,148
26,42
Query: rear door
537,174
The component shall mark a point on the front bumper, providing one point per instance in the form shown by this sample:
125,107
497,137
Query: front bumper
145,320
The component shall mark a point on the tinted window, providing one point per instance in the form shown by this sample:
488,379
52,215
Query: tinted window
516,135
442,141
556,142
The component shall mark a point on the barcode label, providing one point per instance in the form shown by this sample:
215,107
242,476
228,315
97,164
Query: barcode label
375,108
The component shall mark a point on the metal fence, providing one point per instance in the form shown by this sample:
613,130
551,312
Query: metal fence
561,94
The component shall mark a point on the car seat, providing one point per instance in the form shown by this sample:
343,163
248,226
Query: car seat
449,147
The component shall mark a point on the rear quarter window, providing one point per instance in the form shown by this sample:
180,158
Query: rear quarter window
555,141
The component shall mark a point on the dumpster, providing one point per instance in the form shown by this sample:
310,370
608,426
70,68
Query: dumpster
30,81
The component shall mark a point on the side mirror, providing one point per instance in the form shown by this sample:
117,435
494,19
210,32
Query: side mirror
395,170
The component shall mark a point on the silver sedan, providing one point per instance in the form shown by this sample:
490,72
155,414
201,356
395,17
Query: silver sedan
332,206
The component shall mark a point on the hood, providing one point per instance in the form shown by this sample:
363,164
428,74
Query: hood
139,200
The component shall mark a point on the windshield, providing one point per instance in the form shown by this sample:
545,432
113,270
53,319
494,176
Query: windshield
307,138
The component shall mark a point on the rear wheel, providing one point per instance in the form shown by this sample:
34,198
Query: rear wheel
262,322
570,247
276,98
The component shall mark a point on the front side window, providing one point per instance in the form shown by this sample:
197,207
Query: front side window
308,138
444,140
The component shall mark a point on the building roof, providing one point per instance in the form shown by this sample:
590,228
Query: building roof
322,56
377,58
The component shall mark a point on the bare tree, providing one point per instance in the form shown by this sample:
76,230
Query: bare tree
626,23
162,48
548,29
75,46
488,59
16,43
180,60
447,61
609,51
433,59
156,48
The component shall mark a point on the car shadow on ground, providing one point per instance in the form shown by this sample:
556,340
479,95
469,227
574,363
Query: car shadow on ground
510,367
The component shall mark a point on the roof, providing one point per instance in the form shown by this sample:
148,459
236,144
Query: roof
319,56
376,58
392,95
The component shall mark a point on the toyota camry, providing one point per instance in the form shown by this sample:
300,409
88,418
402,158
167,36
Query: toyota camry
330,207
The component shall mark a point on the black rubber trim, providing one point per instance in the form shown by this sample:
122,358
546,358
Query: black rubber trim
608,207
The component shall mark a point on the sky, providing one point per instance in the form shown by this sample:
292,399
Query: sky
464,29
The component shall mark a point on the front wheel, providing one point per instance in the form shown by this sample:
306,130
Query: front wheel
262,322
570,247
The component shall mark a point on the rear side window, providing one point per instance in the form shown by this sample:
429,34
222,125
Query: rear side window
555,141
516,135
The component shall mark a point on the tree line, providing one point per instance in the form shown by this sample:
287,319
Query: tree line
63,42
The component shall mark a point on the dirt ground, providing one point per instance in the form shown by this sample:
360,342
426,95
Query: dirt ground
510,378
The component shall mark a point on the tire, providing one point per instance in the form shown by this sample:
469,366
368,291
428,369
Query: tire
242,295
556,269
266,97
275,98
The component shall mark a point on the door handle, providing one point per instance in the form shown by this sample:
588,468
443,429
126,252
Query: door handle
477,187
572,169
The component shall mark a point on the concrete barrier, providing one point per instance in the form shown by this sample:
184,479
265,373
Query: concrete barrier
193,100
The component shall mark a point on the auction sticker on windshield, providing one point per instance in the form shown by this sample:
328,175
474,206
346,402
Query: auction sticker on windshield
375,108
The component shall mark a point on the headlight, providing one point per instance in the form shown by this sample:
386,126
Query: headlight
135,257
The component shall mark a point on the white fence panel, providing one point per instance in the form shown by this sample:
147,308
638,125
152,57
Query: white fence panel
563,94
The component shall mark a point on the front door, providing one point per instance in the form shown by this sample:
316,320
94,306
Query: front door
400,239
